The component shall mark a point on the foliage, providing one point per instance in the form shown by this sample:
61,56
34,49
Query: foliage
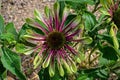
98,48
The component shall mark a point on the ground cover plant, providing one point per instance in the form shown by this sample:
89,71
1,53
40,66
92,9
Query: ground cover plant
71,42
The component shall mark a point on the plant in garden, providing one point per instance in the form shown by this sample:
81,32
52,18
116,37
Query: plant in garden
9,60
105,37
112,10
59,43
55,44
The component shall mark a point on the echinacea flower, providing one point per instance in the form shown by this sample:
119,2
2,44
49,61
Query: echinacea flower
116,14
113,11
55,44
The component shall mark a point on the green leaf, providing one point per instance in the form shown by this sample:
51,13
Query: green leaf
11,29
80,1
117,72
83,77
109,55
4,75
1,25
116,65
78,7
12,62
44,74
102,73
8,38
90,20
105,37
71,17
24,31
103,61
21,48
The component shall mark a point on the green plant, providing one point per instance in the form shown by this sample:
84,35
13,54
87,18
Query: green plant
71,43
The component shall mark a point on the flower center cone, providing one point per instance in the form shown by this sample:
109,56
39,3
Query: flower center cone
55,40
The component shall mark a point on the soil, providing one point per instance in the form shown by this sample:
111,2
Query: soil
17,11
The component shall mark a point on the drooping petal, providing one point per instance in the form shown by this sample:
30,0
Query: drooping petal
37,47
37,61
47,60
37,35
64,53
73,65
52,69
66,66
70,36
64,17
38,16
41,51
29,52
60,68
34,38
70,49
35,24
73,24
45,26
84,40
56,15
50,18
63,59
59,65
